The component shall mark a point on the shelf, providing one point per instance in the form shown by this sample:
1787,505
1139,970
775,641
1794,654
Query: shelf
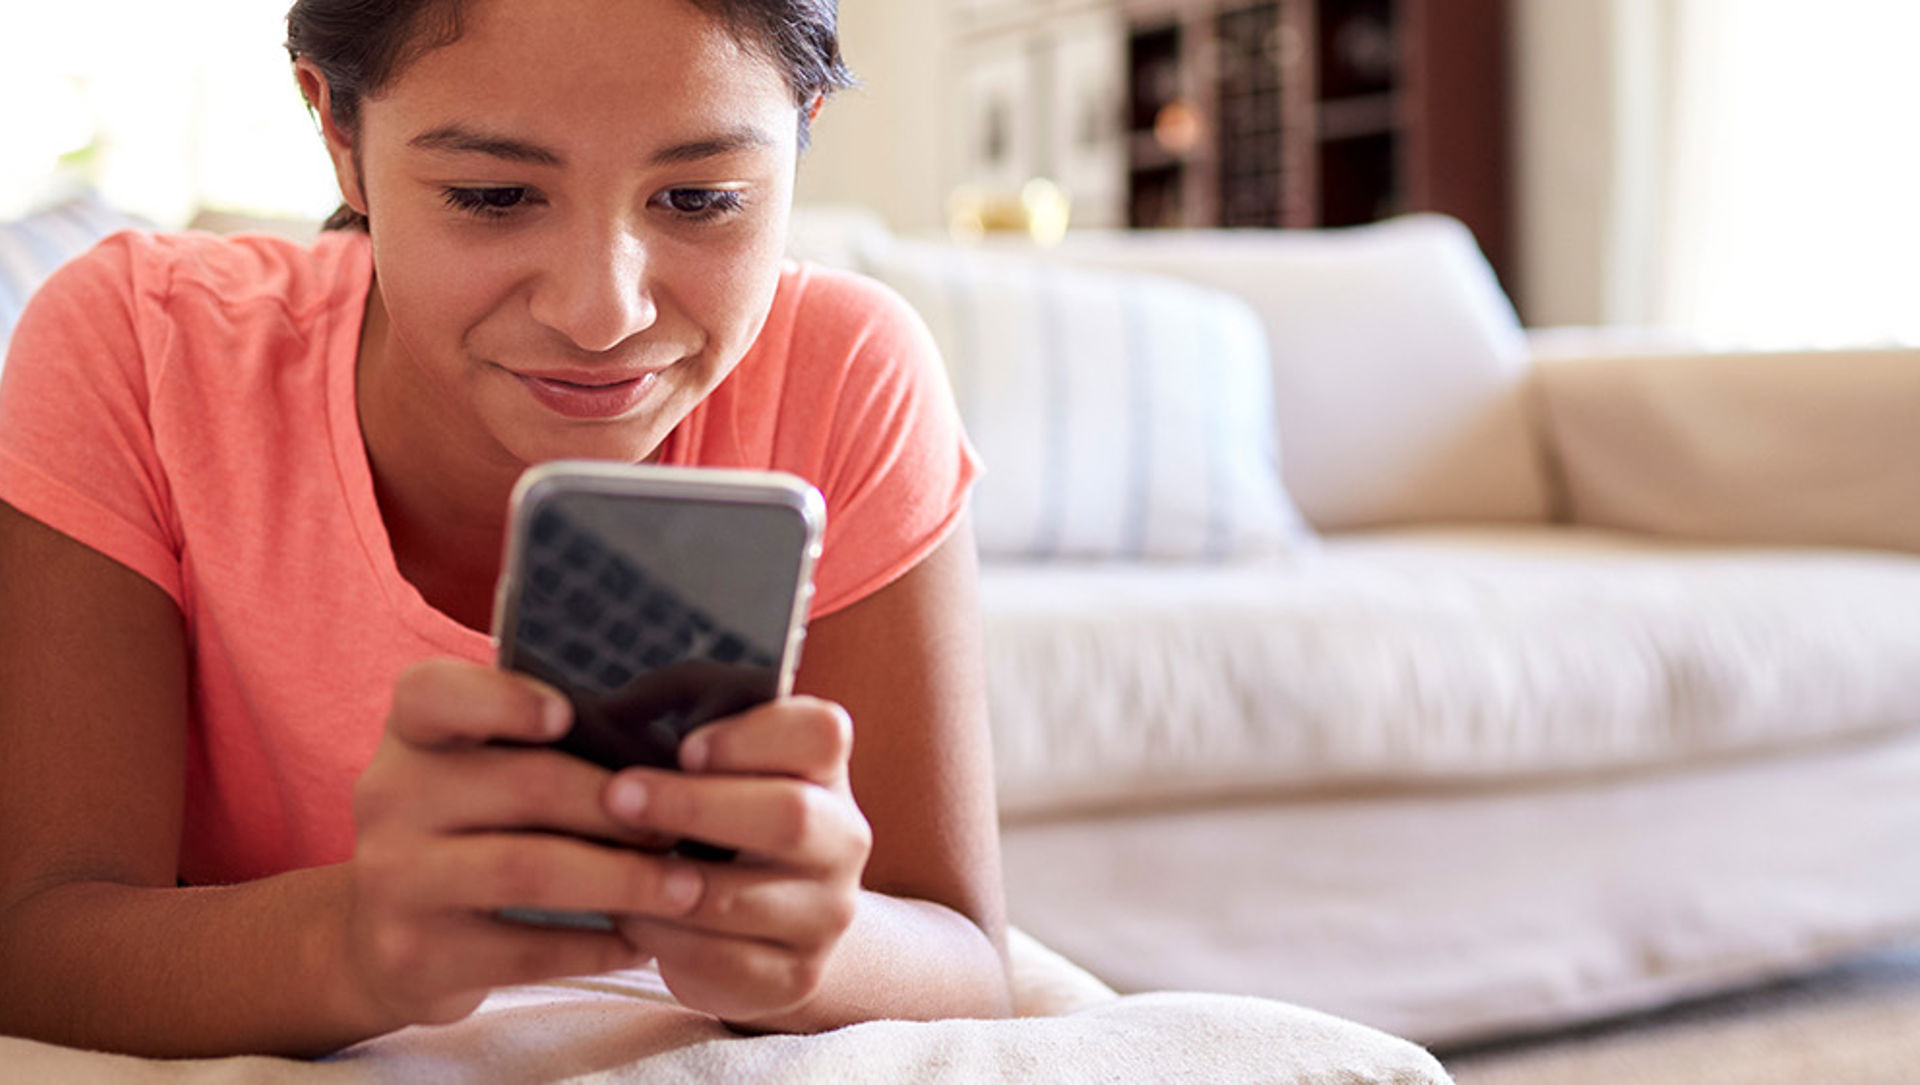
1155,198
1146,152
1321,112
1353,118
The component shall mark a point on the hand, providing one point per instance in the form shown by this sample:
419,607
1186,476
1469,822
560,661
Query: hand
770,783
452,826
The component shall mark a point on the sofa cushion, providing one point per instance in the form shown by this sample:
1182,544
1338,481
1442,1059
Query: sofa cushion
1119,415
1399,365
1435,656
1784,448
32,247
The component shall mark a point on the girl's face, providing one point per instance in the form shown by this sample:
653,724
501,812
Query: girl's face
578,213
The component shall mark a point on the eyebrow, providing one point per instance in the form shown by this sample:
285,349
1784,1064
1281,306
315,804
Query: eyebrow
456,139
740,139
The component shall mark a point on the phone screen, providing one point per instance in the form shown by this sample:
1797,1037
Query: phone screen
653,614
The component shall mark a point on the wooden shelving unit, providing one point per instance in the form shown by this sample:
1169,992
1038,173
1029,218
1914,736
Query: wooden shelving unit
1307,113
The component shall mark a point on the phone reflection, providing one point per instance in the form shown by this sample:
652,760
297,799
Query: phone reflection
642,666
643,722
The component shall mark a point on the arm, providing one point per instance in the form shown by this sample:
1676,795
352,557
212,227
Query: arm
97,947
100,949
921,933
907,665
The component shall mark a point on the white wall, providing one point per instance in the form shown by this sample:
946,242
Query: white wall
1587,115
887,145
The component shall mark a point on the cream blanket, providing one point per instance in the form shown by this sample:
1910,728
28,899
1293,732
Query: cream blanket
622,1027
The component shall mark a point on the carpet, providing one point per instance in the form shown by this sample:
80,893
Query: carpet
1853,1024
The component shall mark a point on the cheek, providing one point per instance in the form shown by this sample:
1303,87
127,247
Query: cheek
729,291
732,284
432,309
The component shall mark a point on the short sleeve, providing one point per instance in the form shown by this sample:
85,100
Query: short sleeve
894,464
77,449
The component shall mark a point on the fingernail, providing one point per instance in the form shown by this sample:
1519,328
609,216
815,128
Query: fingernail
681,887
629,798
693,752
555,716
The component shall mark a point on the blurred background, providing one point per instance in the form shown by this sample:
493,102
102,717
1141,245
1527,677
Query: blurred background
1743,171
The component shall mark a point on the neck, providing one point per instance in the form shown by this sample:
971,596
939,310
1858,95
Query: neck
444,507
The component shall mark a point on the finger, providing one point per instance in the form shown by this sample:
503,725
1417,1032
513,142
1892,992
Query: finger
473,952
487,872
804,737
774,907
737,979
502,788
446,702
792,822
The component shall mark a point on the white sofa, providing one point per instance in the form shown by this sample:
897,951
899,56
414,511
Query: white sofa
1594,682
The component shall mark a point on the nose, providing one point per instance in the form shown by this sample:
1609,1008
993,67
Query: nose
595,289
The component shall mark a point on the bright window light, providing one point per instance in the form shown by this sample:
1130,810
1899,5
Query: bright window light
165,108
1795,211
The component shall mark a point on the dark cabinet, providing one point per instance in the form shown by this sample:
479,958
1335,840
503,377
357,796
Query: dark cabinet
1308,113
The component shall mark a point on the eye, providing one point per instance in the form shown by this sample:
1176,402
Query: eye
699,204
487,202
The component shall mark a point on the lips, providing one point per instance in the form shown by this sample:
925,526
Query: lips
587,395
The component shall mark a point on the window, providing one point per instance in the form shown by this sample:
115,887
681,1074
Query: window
164,107
1792,191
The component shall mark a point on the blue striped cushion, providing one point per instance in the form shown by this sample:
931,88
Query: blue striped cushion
1120,416
32,247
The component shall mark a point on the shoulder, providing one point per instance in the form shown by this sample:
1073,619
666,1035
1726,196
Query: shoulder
248,272
837,335
155,326
161,276
873,426
859,362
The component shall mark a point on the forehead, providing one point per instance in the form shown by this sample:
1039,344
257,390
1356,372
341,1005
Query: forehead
598,66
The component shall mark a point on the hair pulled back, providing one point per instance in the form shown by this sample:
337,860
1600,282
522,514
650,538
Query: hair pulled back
361,45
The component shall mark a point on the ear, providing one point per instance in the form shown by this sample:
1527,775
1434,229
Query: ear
346,166
813,107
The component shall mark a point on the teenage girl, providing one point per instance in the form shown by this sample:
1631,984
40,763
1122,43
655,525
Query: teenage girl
252,499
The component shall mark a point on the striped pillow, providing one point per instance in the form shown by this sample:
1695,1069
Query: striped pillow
1120,416
32,247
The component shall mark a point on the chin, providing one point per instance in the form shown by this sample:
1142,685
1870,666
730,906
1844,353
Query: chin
611,443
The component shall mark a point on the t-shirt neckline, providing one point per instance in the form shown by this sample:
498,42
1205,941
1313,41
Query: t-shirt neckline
353,274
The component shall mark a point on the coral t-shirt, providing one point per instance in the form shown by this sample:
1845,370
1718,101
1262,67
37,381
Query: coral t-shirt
184,404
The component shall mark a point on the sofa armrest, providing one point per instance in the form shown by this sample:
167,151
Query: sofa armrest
1592,342
1815,448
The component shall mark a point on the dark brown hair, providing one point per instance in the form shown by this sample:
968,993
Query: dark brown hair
360,45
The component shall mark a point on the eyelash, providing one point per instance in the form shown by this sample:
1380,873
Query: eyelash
480,202
499,203
714,203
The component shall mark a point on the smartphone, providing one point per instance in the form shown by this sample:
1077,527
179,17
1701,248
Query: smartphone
657,599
